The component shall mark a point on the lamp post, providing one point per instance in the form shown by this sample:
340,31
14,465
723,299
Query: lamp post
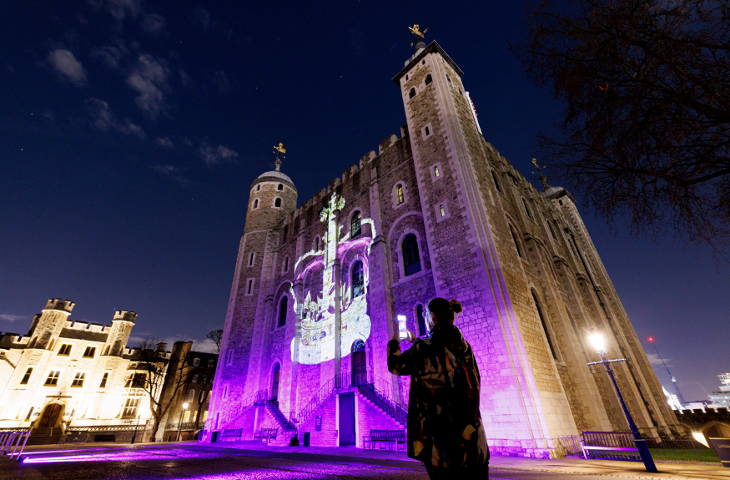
134,437
179,424
599,344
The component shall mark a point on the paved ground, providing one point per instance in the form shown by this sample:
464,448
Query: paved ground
247,460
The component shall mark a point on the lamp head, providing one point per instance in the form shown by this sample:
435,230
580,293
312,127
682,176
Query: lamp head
598,342
185,406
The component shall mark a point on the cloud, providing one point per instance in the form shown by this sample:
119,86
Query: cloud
185,79
48,114
119,9
149,79
65,63
221,82
154,23
164,142
110,54
215,155
11,318
655,360
174,173
102,118
202,18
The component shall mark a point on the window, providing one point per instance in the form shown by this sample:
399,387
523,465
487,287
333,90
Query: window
52,379
139,380
550,227
282,310
191,396
428,79
78,379
285,233
316,244
89,352
527,209
411,259
65,350
399,196
130,408
211,363
225,391
277,203
517,244
251,258
106,350
436,172
544,326
104,379
428,132
421,320
358,279
256,203
355,225
30,412
196,362
496,182
286,264
249,287
26,377
194,379
442,211
412,93
280,187
229,360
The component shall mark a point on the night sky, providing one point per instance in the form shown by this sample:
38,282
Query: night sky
130,132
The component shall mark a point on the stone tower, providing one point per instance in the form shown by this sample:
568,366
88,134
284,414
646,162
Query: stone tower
50,323
272,198
122,324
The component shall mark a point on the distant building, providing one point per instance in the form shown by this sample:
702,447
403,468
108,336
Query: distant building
79,379
722,398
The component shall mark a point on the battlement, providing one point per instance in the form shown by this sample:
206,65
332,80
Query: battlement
85,326
124,315
8,340
60,305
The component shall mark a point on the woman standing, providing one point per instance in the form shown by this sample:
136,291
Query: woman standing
445,429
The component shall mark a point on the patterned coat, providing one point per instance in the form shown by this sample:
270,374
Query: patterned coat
444,423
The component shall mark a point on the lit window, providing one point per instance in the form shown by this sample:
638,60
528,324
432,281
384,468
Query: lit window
400,198
411,258
282,310
26,377
421,320
355,225
78,379
65,350
130,408
277,202
89,352
436,171
104,379
52,379
358,279
442,211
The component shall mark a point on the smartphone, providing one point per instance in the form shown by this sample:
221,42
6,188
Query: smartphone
402,330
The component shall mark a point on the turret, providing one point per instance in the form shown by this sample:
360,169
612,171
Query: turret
273,197
49,323
122,324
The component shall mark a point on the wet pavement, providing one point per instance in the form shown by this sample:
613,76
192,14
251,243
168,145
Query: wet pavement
203,461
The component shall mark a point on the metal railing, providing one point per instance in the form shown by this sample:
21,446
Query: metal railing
11,440
255,399
381,393
681,450
176,426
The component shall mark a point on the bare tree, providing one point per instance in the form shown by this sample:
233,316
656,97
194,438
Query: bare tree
646,128
206,373
216,336
161,385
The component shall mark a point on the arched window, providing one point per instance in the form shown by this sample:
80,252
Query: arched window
552,231
358,279
428,79
277,202
527,209
282,310
399,196
412,93
280,187
496,182
411,259
275,382
355,225
421,320
359,363
256,203
544,326
517,244
191,396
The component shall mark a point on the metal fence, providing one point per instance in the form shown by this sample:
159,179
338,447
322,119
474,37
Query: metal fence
587,445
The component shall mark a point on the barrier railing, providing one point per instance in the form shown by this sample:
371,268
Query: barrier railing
11,440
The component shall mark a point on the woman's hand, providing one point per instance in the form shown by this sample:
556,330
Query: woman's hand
410,336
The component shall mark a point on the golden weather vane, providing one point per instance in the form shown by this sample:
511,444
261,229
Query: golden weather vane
416,33
279,151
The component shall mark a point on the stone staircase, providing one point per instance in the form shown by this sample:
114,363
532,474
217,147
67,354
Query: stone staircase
383,402
45,436
287,429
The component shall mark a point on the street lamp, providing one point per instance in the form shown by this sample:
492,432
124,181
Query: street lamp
179,426
599,344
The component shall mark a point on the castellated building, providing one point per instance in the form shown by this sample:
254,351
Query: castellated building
319,290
